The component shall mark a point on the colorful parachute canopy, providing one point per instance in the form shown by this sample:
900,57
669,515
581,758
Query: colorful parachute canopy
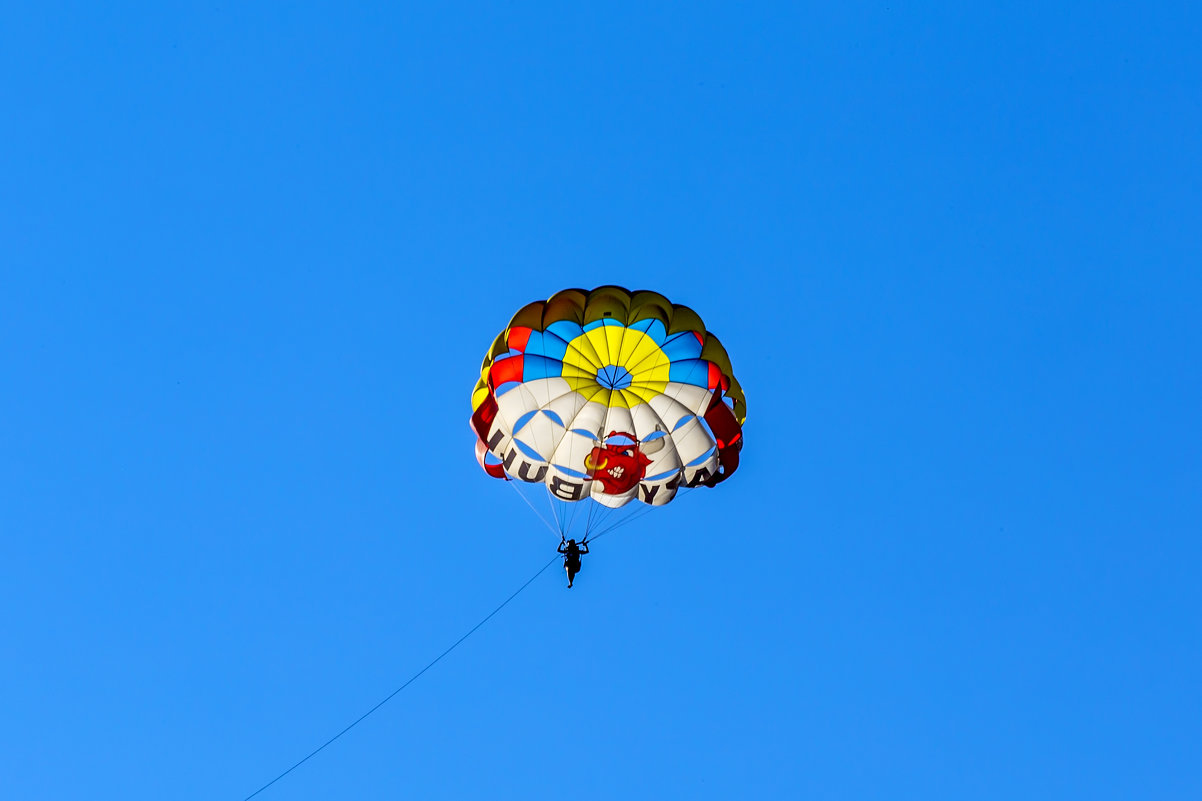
611,394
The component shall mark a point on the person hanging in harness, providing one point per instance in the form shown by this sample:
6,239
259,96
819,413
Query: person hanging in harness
571,557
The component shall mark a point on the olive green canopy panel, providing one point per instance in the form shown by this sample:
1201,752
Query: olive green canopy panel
608,394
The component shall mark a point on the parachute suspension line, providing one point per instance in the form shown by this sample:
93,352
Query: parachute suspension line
640,513
527,502
592,517
554,512
571,520
608,517
572,509
605,519
603,514
411,679
620,523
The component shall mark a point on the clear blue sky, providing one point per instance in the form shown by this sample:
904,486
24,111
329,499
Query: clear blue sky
252,254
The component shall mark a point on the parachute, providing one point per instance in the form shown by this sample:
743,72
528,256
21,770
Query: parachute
608,395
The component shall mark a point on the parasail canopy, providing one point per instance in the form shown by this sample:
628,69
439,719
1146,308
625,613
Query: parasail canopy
611,395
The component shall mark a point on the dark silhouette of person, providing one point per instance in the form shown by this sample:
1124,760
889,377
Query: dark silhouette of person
571,557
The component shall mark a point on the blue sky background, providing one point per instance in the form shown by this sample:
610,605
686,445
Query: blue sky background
252,254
